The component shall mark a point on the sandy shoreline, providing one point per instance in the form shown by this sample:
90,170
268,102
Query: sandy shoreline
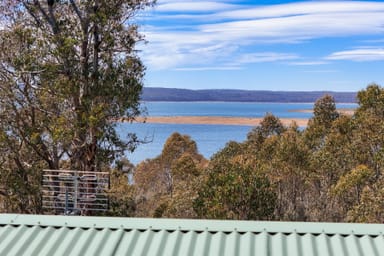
217,120
344,111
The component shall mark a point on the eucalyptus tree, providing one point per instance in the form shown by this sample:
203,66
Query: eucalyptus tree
288,171
366,179
166,185
324,113
68,69
234,187
368,135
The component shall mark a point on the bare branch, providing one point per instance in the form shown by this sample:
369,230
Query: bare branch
53,20
78,13
30,11
49,18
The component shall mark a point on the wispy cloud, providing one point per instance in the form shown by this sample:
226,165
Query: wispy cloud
188,51
299,27
208,68
308,63
215,32
302,8
265,57
231,64
363,54
193,6
321,71
376,41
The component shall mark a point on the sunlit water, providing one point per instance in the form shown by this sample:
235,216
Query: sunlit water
209,138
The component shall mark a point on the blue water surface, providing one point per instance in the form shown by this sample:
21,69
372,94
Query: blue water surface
232,109
209,138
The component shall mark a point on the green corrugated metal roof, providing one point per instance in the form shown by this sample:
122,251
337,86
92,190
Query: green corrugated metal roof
75,235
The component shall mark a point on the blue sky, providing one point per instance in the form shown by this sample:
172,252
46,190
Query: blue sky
264,45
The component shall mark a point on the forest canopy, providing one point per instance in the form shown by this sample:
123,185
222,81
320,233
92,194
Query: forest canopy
331,170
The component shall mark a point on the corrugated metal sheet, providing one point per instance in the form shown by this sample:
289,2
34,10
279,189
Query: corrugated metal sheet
74,235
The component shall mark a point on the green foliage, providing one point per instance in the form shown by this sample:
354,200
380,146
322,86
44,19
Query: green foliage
177,145
231,150
368,138
324,111
166,184
324,114
20,179
330,171
370,208
185,162
67,71
371,100
353,181
121,195
233,191
269,126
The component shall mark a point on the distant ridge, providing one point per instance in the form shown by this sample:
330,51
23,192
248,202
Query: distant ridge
172,94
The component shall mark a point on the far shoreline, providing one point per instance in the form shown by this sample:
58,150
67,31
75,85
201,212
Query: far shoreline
223,120
215,120
344,111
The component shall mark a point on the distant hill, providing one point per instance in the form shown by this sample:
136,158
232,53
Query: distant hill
170,94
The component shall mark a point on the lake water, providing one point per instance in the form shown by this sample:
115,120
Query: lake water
230,109
209,138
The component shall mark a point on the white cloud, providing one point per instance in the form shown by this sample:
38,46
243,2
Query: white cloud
308,63
321,71
265,57
185,49
303,8
189,6
300,27
208,68
363,54
226,36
